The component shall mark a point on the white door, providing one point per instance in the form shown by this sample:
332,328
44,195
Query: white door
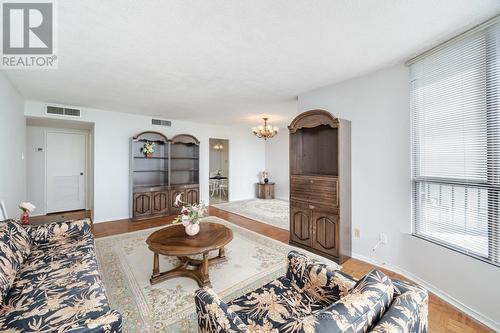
66,160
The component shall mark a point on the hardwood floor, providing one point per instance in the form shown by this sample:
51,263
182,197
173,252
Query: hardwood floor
443,317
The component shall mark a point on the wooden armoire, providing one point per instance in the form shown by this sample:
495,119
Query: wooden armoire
320,184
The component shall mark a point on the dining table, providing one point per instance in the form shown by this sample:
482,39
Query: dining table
216,189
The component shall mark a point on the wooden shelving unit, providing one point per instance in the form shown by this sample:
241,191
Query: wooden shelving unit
157,180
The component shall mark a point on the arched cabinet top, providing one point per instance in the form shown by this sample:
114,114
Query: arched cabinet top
313,118
185,139
151,136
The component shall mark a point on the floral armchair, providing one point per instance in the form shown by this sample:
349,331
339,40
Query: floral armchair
49,280
312,297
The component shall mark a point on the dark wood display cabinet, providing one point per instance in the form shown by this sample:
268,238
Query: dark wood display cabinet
320,184
156,180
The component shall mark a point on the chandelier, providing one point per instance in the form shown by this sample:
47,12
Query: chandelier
266,131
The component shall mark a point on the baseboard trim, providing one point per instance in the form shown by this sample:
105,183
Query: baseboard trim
436,291
111,219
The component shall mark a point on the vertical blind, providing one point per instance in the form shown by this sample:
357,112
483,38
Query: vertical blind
455,106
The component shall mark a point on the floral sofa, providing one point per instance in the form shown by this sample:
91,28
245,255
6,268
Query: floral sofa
314,298
49,280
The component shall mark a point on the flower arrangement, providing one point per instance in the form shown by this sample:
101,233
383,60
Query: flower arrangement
265,176
26,208
190,215
149,148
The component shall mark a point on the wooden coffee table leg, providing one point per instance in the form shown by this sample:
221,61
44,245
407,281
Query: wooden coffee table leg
156,265
222,252
205,280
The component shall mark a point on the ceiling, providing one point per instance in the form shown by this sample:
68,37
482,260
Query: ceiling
223,61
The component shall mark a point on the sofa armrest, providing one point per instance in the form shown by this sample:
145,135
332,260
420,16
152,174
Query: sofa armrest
214,315
57,231
109,322
408,312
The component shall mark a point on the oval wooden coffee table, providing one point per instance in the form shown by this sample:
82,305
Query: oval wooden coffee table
173,241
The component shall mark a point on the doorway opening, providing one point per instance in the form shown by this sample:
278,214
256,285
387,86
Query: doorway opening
219,171
60,172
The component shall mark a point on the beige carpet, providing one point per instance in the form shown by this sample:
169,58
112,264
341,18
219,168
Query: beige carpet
270,211
126,264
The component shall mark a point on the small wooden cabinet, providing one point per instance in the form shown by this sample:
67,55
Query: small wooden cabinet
192,196
265,190
173,195
160,202
325,231
142,204
300,225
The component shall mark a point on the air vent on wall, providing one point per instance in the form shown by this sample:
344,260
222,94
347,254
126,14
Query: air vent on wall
56,110
161,122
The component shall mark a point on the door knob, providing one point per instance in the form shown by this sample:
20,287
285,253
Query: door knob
81,173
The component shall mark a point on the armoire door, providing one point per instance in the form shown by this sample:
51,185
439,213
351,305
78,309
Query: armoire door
325,232
300,224
160,202
192,196
142,204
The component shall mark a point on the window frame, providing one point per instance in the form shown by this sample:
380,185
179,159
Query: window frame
492,183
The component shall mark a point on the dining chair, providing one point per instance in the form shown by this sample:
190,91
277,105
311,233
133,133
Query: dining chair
3,211
212,185
223,187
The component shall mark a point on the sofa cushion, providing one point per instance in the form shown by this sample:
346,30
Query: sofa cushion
282,300
360,309
55,290
15,246
407,312
59,232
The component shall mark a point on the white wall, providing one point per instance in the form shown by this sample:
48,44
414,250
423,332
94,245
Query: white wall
378,106
12,147
277,163
112,132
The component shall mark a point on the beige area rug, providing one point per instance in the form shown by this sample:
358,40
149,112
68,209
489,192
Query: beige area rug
270,211
126,265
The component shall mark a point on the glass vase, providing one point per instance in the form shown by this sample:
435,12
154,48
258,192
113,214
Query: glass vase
25,218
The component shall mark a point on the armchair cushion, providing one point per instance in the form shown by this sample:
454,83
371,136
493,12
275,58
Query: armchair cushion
359,310
325,284
407,313
15,246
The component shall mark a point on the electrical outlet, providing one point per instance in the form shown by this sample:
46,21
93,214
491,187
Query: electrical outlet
357,233
383,238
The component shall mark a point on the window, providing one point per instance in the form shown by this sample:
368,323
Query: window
455,105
